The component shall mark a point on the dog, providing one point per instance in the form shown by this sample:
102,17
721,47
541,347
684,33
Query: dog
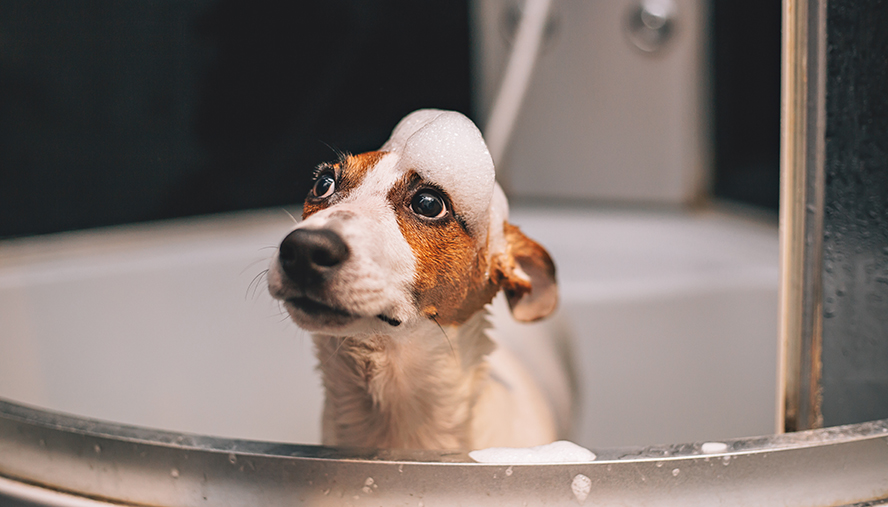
397,258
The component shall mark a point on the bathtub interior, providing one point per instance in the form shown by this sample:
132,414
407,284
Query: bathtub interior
672,318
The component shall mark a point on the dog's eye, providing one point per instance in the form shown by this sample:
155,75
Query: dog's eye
428,204
324,185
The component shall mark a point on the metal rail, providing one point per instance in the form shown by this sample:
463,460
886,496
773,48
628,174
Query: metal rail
130,465
802,152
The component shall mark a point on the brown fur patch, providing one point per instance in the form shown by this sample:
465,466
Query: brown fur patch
450,284
350,171
536,263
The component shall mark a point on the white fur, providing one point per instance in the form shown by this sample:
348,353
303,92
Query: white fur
429,391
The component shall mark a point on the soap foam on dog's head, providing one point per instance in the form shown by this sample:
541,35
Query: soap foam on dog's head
446,149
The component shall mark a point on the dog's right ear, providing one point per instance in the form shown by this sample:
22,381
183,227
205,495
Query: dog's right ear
526,273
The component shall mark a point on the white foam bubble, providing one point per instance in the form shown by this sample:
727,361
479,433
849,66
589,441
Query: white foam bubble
499,214
561,451
407,127
713,447
447,149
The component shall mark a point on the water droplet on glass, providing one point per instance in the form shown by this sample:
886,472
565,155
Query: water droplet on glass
675,472
726,460
232,459
174,473
659,464
581,486
508,471
98,449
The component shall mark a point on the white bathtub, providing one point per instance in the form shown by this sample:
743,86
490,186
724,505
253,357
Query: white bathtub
674,318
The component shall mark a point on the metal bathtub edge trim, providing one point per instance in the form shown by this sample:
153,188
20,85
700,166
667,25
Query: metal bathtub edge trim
131,465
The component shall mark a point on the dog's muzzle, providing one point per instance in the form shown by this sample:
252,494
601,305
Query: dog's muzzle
309,256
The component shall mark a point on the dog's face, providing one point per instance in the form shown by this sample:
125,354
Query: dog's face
413,232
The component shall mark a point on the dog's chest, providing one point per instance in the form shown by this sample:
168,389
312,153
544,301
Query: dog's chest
416,392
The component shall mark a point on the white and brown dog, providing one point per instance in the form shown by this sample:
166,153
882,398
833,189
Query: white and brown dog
399,252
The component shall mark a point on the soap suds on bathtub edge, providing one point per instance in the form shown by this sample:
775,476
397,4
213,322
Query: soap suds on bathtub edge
561,451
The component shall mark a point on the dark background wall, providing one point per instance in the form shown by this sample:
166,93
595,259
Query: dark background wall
746,88
114,112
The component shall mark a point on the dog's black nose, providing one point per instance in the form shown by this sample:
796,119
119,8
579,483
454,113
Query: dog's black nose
307,254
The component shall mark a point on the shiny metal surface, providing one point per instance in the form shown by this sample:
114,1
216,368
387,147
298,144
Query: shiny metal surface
801,213
651,24
130,465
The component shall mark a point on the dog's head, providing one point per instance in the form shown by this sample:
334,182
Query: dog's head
415,231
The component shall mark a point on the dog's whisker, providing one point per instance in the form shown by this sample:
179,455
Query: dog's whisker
282,312
250,265
340,155
279,317
291,216
452,351
336,351
257,280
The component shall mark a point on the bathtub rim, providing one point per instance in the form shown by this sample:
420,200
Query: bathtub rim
134,465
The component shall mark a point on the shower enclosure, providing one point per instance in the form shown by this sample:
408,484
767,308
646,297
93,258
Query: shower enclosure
166,330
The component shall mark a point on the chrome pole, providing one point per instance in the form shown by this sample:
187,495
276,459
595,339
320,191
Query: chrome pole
801,214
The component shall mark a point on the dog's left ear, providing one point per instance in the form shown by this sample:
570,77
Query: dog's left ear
527,275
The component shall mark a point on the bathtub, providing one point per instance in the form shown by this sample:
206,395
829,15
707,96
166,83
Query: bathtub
673,318
147,364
